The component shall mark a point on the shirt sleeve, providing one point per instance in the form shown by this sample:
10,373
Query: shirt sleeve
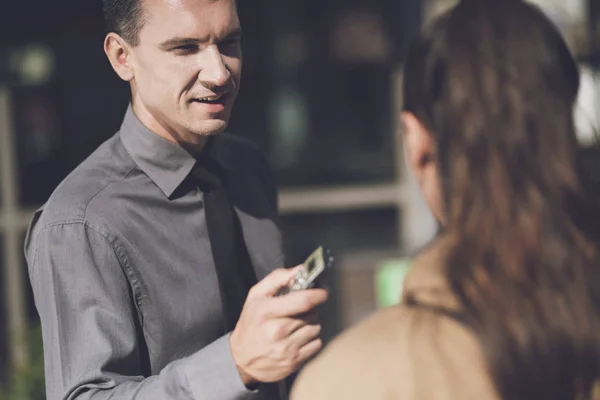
91,331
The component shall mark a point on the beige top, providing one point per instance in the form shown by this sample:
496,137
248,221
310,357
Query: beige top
401,352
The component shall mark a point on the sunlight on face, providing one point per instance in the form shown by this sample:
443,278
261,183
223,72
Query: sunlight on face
187,67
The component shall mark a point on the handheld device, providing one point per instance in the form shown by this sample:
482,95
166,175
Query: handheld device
314,266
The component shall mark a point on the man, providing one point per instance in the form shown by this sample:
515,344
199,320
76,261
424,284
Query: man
142,258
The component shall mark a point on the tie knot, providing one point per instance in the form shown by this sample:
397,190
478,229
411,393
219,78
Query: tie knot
208,174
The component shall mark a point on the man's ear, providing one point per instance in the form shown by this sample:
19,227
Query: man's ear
119,54
419,147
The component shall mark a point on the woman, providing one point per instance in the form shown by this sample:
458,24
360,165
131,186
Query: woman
505,304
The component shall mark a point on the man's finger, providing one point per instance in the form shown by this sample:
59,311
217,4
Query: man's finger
310,349
293,325
295,303
304,335
273,282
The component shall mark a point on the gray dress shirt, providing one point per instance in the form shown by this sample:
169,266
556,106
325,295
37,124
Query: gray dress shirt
123,276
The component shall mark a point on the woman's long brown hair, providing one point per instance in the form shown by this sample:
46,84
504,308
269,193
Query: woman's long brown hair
495,84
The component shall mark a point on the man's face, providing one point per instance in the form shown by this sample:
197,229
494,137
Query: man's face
187,67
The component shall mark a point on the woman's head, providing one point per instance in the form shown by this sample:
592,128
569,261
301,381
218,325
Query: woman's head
489,89
489,92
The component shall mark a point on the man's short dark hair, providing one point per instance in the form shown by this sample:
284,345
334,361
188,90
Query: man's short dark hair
125,17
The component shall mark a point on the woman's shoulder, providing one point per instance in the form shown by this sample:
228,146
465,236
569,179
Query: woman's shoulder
399,352
356,363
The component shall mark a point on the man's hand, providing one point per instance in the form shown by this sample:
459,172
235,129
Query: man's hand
276,335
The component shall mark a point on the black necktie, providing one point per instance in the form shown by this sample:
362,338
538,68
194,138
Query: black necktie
234,269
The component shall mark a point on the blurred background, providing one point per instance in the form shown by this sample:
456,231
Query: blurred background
321,96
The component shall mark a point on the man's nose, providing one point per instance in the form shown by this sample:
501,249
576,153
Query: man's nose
214,72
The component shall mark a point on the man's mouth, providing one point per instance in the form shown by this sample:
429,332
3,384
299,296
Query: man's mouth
215,99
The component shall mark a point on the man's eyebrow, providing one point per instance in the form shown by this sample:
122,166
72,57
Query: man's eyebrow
178,41
182,41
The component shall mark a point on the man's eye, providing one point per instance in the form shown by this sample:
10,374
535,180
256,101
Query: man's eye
186,48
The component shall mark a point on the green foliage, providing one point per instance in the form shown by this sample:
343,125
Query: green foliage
28,384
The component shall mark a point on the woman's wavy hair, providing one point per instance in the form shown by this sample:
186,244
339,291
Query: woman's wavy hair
495,84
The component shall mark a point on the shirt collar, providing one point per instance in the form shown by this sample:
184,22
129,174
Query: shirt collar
166,163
